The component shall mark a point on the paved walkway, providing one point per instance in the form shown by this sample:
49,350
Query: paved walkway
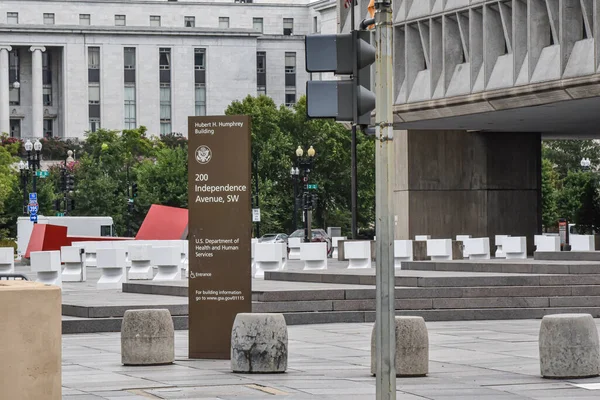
483,360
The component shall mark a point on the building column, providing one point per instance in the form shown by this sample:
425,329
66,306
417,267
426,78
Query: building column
37,91
482,184
4,90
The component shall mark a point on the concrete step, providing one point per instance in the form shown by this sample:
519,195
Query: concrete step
504,266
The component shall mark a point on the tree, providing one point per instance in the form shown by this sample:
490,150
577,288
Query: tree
549,195
587,216
566,155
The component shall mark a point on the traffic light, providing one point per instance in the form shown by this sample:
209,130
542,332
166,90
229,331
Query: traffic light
343,54
70,182
134,190
70,204
63,180
57,205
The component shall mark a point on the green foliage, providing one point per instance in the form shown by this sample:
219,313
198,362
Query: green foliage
549,195
566,155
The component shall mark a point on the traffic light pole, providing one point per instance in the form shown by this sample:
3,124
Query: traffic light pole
354,161
385,329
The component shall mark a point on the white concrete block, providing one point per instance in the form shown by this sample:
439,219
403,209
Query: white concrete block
268,257
90,252
439,249
294,245
547,243
477,248
582,242
252,262
403,251
498,240
358,254
185,258
141,266
515,247
7,260
114,270
314,255
123,244
463,239
74,261
335,245
168,261
422,238
47,266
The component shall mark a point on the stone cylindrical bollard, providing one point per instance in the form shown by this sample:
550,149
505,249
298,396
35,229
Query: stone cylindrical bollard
412,347
30,340
569,346
147,337
259,343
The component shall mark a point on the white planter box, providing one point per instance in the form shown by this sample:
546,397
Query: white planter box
439,249
358,254
74,261
403,251
582,243
294,245
114,270
168,261
7,260
47,266
478,248
515,247
268,257
314,255
547,243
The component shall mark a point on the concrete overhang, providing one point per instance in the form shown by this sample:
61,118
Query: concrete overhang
569,108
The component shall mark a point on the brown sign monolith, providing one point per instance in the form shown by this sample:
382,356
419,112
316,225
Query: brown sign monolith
220,284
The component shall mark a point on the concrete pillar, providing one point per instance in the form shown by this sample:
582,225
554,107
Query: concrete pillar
37,92
476,183
4,90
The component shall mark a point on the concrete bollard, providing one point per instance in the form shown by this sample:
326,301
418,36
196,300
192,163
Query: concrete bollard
7,260
569,346
478,248
582,242
439,249
141,266
412,347
358,254
168,261
498,241
114,270
259,343
546,243
47,266
335,245
314,256
463,239
515,247
403,251
294,245
147,337
268,257
74,261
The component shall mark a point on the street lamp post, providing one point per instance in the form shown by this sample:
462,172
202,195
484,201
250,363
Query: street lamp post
295,173
24,173
33,161
305,164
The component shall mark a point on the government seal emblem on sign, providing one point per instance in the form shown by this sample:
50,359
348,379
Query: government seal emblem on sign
203,154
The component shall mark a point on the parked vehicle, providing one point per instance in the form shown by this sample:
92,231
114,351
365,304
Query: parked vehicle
318,235
273,238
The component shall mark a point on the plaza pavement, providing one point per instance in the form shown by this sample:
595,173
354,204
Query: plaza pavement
486,360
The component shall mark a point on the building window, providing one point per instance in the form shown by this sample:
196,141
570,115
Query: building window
257,24
165,108
47,91
94,57
290,63
48,128
223,22
130,122
120,20
288,26
189,22
14,96
290,98
200,59
165,59
129,58
48,18
94,93
14,75
84,19
261,72
315,25
46,68
94,124
15,128
200,99
155,20
290,79
12,18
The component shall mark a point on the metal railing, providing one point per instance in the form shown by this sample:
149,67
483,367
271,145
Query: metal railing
13,277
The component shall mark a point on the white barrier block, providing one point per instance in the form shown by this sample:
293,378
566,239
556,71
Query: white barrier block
294,245
358,254
185,258
7,260
74,261
114,269
546,243
515,247
252,262
403,251
582,242
422,238
123,244
284,254
90,252
478,248
335,245
268,257
47,266
141,266
463,239
314,255
498,240
168,261
439,249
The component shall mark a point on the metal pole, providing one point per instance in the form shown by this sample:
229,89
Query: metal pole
353,168
295,222
129,204
384,167
257,198
36,160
